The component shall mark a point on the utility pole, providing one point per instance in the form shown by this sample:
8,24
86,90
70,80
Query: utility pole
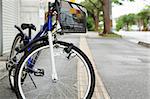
1,30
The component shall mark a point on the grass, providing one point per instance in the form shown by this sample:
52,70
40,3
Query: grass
110,35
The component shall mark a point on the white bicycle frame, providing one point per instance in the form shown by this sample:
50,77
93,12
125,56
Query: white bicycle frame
53,67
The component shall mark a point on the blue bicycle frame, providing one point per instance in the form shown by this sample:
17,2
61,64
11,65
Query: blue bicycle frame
47,27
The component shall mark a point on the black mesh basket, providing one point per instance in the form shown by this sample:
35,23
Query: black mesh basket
72,17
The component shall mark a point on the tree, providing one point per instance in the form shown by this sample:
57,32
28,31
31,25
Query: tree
106,5
93,8
138,21
119,2
90,22
143,17
126,21
106,16
120,24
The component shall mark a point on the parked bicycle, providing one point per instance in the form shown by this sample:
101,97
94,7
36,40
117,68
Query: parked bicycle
65,73
21,40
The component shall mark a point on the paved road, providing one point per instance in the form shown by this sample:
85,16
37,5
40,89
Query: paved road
124,67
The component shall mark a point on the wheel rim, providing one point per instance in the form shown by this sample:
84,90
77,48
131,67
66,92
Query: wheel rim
17,42
11,77
72,93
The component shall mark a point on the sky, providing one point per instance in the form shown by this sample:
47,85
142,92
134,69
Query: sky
129,7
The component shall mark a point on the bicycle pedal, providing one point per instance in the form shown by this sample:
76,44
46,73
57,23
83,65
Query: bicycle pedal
39,72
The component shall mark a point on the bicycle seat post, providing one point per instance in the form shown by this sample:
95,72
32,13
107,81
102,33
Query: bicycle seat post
29,33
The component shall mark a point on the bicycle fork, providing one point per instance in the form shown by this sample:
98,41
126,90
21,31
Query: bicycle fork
53,68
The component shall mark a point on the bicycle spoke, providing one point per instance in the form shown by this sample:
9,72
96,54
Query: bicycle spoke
66,87
32,81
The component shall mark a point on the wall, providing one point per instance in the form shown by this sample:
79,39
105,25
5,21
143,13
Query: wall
11,16
30,12
1,31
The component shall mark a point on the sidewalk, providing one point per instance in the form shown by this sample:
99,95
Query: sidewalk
3,71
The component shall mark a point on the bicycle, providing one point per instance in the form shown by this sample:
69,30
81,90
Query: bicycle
19,42
63,80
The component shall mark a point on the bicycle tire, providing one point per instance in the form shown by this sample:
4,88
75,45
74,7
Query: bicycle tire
18,36
11,77
10,69
88,67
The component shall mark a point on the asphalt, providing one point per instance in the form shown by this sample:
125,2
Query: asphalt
124,67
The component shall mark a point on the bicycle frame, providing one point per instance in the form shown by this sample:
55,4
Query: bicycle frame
54,73
48,27
46,31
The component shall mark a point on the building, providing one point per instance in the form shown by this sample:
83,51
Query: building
15,12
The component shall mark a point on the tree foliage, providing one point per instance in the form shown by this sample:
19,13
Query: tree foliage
119,2
96,8
93,8
90,25
144,17
140,19
125,21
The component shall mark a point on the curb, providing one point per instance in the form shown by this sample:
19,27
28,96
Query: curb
100,90
144,44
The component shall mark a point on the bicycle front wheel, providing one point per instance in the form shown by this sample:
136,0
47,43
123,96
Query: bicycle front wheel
76,79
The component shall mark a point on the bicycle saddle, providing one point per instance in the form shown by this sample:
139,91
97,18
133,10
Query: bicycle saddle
28,26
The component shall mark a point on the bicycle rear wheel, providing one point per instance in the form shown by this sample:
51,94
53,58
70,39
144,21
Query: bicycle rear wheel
16,43
10,65
76,77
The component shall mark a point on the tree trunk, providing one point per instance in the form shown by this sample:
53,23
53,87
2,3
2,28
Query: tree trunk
127,27
139,25
143,25
96,19
106,15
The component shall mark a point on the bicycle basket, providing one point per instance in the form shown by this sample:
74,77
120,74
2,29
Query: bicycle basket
72,17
